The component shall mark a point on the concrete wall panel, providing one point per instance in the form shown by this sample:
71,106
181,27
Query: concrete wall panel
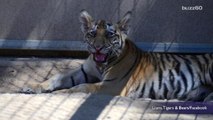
153,20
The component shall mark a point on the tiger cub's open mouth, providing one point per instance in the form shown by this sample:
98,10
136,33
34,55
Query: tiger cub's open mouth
100,57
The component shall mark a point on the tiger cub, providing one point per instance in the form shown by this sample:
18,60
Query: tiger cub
116,66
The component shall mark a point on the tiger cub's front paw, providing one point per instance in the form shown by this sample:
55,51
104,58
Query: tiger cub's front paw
30,89
27,90
35,89
85,88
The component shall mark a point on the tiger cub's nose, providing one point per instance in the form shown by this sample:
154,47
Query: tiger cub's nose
98,47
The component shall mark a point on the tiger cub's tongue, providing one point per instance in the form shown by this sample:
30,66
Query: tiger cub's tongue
99,57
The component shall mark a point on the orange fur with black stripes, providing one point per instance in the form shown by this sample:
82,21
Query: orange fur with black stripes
117,67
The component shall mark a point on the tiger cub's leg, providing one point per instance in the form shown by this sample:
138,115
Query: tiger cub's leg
61,81
85,88
202,93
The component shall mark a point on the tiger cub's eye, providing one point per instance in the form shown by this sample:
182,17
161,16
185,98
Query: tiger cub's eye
110,34
91,34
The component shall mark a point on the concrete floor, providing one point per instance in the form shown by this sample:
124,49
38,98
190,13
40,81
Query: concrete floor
18,72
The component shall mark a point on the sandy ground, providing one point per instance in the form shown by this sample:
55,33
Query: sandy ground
18,72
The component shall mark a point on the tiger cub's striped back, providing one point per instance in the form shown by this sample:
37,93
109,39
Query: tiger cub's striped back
169,76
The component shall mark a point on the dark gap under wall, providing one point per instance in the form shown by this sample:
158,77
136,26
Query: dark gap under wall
43,53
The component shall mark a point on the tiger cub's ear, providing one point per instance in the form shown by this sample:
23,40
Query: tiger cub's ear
123,24
86,21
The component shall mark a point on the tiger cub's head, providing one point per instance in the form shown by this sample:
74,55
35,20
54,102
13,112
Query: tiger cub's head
104,40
